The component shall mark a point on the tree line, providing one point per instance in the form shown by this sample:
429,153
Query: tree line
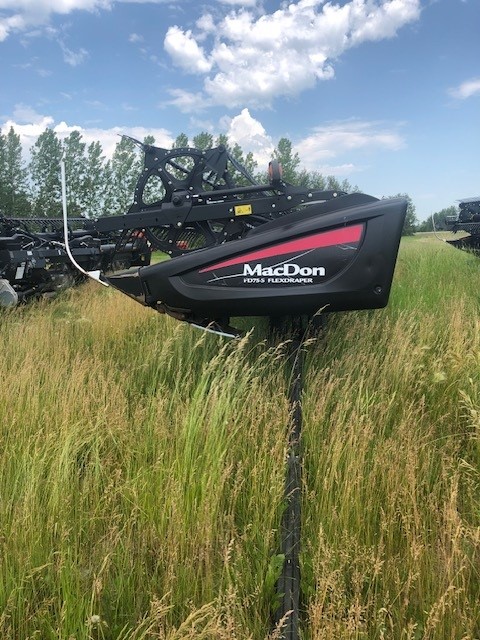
439,218
99,186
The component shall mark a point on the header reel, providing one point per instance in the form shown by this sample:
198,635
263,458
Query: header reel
191,199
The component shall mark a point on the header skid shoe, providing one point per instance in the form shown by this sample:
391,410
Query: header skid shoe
336,255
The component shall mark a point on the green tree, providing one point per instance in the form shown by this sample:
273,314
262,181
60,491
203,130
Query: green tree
289,160
122,173
181,141
246,161
76,173
315,180
311,179
14,199
348,187
95,182
222,139
250,164
410,225
439,218
333,184
203,141
3,179
44,171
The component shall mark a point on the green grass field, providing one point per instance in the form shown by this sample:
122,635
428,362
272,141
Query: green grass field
142,468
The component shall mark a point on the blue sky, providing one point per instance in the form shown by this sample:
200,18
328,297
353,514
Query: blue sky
385,93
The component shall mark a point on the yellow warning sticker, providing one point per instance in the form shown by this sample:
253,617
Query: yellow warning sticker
243,210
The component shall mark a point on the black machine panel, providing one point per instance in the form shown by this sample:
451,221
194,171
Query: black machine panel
339,260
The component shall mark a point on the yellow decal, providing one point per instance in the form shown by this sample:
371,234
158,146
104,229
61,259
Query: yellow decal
243,210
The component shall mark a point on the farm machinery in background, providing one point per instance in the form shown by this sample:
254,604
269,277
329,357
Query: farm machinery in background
467,221
34,261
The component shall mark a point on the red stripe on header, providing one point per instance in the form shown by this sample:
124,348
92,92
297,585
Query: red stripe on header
317,241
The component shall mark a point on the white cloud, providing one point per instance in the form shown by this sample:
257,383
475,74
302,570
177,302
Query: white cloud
186,101
341,170
253,59
32,13
205,24
23,113
135,37
29,124
73,58
11,23
371,22
466,89
250,134
244,3
336,138
185,51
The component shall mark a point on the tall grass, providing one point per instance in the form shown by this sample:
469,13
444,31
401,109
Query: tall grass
141,469
140,475
391,438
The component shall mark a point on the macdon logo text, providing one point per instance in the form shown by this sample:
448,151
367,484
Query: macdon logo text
288,269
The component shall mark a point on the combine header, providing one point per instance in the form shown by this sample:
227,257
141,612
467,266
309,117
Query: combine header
239,248
468,221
